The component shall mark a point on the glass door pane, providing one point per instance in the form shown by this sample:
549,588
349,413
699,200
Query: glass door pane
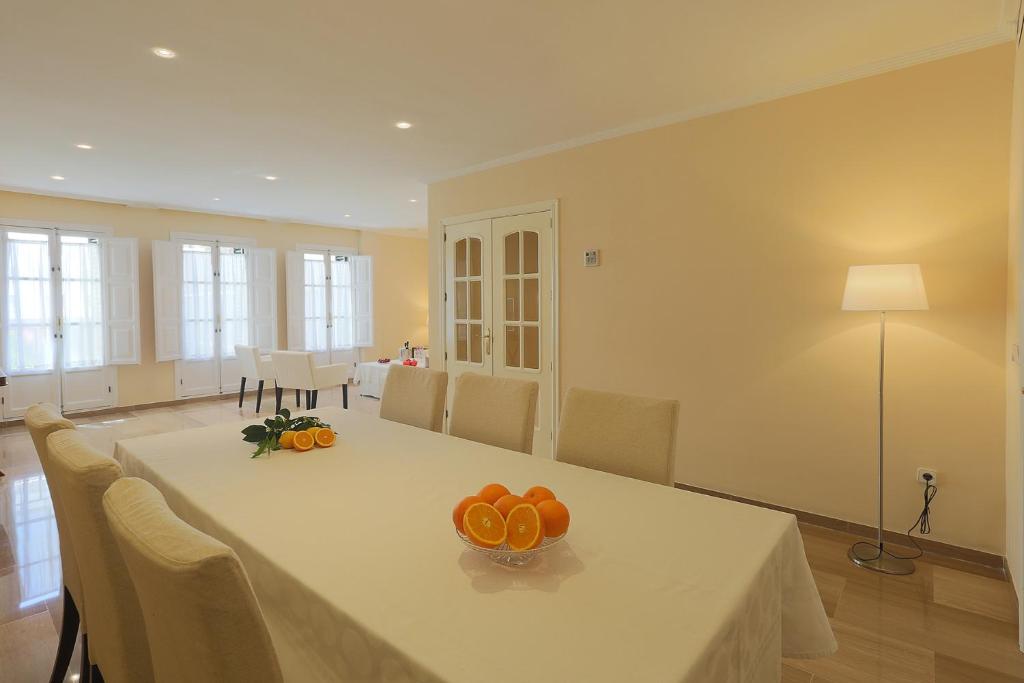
234,299
29,332
81,302
197,304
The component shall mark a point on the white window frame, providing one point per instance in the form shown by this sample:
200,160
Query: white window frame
295,284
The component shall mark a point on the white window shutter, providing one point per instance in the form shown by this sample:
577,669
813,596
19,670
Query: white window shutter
262,265
121,282
3,305
167,299
295,278
362,300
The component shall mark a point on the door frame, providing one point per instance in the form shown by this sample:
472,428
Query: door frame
505,212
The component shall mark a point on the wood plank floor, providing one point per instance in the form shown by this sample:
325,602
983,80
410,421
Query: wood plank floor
941,624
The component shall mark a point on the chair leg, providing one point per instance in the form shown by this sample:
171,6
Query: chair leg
314,398
241,393
85,672
344,396
298,403
307,399
259,396
68,635
279,394
95,676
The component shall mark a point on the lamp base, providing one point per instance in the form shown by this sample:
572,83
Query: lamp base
878,561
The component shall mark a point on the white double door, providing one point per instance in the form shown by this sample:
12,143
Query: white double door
499,317
227,297
69,314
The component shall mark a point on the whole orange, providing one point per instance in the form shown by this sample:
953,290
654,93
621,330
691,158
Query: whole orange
555,516
492,492
536,494
460,510
505,504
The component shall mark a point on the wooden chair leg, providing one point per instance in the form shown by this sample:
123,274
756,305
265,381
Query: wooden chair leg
279,394
95,676
68,636
298,403
314,398
344,396
85,671
241,393
259,396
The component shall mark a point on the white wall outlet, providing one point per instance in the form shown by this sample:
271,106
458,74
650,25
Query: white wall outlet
921,471
591,258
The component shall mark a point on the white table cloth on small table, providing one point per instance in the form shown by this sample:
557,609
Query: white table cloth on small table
361,577
371,377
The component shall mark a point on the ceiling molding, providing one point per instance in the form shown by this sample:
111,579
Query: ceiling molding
1005,32
397,231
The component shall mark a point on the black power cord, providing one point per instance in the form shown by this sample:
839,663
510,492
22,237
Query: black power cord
923,523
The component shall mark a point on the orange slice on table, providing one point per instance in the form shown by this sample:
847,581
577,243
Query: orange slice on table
325,438
303,441
460,511
313,430
555,516
524,527
484,525
537,494
287,439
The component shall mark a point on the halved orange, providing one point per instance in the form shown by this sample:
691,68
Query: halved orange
303,441
484,525
313,430
524,527
287,439
324,438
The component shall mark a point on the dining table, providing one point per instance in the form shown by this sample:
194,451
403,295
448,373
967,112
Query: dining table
353,557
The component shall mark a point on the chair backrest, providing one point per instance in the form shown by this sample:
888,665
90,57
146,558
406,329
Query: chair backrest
117,632
43,419
494,410
249,360
632,436
202,617
415,396
293,369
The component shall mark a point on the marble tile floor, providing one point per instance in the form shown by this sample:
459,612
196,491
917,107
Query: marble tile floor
938,625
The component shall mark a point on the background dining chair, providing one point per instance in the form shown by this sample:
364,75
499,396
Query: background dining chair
254,366
632,436
42,420
203,621
117,633
415,396
297,370
494,410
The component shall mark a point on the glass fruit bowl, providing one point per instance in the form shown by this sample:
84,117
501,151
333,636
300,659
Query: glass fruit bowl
506,556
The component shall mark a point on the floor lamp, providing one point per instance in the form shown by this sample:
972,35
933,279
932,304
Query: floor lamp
896,287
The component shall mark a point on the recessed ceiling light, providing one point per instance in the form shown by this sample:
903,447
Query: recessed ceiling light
404,125
164,53
270,177
348,215
413,201
216,199
56,177
82,145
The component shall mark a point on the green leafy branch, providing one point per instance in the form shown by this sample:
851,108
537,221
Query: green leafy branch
267,436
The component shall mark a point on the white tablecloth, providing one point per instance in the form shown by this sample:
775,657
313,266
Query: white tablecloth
371,377
359,572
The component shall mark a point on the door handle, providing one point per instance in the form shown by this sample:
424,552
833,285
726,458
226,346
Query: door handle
487,338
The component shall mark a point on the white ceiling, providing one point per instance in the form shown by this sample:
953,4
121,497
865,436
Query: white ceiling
309,90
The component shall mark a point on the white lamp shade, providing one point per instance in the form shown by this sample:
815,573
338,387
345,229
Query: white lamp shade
893,287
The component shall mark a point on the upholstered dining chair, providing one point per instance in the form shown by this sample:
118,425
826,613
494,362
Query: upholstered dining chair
203,621
297,370
632,436
415,396
494,410
117,643
254,367
42,420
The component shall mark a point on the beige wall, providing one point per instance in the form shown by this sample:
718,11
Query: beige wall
1014,383
725,242
400,268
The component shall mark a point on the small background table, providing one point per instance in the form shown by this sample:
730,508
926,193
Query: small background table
371,377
